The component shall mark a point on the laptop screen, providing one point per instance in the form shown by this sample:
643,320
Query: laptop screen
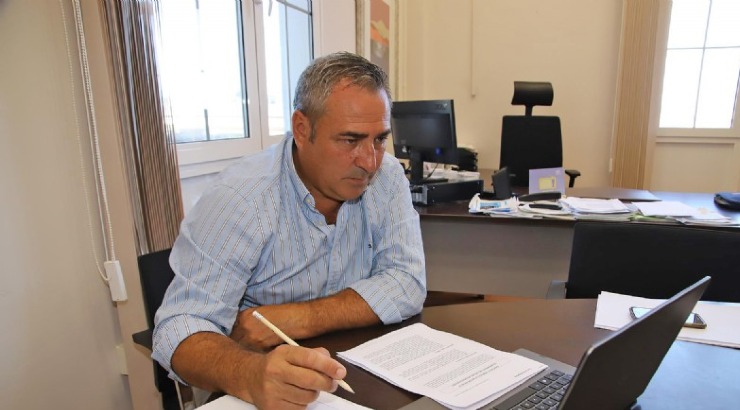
616,370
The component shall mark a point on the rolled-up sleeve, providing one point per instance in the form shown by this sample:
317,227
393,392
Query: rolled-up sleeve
396,288
208,286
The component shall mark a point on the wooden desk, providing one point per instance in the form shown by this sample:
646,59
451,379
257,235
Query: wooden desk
692,375
517,257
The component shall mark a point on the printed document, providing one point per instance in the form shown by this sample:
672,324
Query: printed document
456,372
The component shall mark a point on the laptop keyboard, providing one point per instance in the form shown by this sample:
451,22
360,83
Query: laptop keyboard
543,394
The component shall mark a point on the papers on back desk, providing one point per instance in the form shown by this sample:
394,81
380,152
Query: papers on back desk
456,372
595,206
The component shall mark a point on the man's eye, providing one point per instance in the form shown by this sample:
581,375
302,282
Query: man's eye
381,140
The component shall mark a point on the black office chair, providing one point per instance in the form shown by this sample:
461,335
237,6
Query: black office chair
651,261
532,141
156,274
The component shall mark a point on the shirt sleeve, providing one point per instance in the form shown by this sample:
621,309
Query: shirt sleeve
396,288
205,294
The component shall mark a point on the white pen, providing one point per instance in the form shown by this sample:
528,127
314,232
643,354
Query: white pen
292,342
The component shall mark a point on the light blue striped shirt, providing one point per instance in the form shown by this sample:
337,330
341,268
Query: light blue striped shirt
255,238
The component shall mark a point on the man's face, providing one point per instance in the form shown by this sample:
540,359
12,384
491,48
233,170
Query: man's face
348,145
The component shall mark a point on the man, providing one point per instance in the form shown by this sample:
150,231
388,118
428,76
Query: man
317,232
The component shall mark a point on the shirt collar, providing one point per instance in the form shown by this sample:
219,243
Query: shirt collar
289,166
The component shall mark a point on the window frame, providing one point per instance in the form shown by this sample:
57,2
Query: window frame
732,132
207,157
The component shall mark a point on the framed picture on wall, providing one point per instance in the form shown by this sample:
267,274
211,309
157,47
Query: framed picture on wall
376,33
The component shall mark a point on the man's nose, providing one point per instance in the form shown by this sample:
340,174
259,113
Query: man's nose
366,157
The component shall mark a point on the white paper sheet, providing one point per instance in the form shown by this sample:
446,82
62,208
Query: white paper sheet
665,208
457,372
326,401
723,319
595,206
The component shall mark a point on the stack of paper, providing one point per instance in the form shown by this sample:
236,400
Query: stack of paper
723,319
595,206
598,209
456,372
665,208
683,213
487,206
704,216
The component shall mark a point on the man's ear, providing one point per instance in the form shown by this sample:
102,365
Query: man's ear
301,128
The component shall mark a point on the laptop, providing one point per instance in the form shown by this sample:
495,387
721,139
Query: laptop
612,373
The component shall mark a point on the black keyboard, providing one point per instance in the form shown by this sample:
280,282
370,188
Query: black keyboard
544,394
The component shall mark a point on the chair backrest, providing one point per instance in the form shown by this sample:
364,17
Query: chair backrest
530,141
155,274
652,261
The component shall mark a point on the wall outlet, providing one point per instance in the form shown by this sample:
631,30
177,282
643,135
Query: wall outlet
115,281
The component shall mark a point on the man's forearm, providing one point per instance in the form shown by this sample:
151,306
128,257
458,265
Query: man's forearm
215,363
343,310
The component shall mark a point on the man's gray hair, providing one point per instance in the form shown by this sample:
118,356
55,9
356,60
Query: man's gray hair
318,80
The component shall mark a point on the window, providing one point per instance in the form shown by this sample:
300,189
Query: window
700,86
287,53
220,61
201,71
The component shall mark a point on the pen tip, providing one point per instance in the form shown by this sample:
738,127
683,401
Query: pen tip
345,386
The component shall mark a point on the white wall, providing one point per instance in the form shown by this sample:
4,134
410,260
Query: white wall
696,164
60,327
333,26
474,50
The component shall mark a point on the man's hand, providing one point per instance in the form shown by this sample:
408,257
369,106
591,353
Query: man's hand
291,377
253,334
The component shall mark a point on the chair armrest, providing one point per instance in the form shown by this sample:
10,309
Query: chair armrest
143,338
572,175
556,290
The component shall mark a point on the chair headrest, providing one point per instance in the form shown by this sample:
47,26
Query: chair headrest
530,93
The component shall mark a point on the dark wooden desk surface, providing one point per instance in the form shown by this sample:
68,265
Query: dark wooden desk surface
692,376
459,209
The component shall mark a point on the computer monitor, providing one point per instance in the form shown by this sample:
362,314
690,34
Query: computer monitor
424,131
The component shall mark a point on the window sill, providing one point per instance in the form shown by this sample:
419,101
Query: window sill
204,168
698,133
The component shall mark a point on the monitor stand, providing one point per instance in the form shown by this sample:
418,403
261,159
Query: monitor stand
416,165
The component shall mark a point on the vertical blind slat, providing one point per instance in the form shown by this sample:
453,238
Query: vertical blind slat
632,115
